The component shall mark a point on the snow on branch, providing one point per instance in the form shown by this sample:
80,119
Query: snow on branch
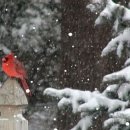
123,75
118,43
96,5
127,63
112,12
69,96
122,91
118,119
85,123
126,16
107,13
120,17
110,88
85,102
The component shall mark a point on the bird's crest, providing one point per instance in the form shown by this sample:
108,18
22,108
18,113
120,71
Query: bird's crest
11,55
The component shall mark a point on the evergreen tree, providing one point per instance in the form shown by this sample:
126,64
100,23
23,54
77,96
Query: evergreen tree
114,100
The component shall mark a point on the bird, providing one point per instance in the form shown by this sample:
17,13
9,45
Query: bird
15,69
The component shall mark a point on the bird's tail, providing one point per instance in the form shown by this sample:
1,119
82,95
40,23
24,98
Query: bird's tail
26,87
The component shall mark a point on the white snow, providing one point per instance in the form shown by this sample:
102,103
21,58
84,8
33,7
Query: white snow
117,44
73,46
20,116
123,74
4,49
107,13
111,121
122,114
127,62
126,16
123,91
27,91
70,34
68,96
122,39
86,101
127,123
55,129
84,123
54,119
65,71
31,81
91,100
99,100
110,88
91,7
34,27
95,5
120,117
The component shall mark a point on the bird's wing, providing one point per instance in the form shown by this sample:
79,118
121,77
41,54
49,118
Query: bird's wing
20,69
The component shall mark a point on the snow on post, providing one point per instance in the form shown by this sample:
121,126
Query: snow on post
12,103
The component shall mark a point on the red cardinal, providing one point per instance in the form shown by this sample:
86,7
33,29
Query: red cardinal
14,68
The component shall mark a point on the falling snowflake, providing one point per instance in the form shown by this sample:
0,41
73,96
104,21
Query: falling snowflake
34,27
57,20
31,81
54,119
55,129
65,71
127,123
73,46
70,34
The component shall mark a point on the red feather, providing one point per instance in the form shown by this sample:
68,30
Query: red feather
14,68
